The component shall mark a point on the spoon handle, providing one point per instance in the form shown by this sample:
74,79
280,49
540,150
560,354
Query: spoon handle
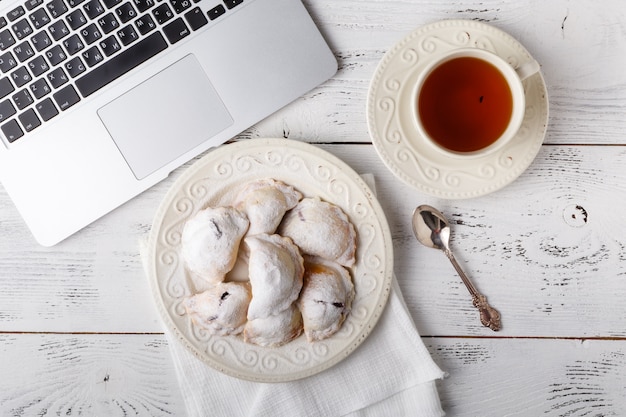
489,316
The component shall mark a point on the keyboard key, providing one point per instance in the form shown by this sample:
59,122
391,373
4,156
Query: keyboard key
92,56
41,41
66,97
29,120
16,13
163,13
22,99
143,5
7,62
127,35
57,77
110,45
6,39
180,5
76,19
216,12
120,64
196,18
110,3
232,3
74,3
91,33
93,8
38,66
5,87
46,109
21,76
56,8
73,44
55,55
32,4
126,12
108,23
12,130
75,67
58,30
3,22
39,18
176,30
6,110
24,51
40,88
145,24
22,29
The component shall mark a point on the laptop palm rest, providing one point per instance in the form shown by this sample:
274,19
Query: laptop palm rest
165,116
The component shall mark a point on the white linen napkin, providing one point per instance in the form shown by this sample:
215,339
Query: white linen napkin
390,374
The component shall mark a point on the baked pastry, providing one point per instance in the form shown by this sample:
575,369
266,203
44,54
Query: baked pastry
222,309
276,330
265,202
275,268
321,229
326,298
210,241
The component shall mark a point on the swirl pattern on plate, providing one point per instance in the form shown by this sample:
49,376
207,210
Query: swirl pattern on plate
215,180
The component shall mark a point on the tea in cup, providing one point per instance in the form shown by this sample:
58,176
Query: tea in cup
470,101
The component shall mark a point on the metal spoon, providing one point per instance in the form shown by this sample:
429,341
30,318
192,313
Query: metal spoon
432,229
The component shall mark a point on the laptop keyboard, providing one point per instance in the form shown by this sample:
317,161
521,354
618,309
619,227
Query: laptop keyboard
53,53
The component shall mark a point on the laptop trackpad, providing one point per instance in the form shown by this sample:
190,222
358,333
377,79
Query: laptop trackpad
165,116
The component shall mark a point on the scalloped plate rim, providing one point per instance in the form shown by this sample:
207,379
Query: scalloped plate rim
312,152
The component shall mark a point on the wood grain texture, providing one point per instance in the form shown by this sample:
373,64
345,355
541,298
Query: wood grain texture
545,256
87,375
580,45
79,334
96,375
512,377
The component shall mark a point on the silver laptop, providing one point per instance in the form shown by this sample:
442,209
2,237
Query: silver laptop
101,99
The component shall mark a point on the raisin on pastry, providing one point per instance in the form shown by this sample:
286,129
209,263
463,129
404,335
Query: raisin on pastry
222,309
210,241
326,298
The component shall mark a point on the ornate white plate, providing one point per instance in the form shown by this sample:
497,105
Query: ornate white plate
214,180
391,107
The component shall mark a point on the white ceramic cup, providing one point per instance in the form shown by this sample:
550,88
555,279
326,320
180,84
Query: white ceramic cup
513,77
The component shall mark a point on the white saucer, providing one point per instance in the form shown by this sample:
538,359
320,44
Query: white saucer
390,117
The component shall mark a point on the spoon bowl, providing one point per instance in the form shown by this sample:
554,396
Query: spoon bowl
433,230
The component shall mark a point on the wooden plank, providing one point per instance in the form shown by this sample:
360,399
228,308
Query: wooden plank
546,271
115,375
576,43
87,375
530,377
547,250
550,256
543,269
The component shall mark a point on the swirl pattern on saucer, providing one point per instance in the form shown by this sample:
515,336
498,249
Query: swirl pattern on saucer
391,114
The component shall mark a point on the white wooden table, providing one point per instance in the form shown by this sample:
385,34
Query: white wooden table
79,334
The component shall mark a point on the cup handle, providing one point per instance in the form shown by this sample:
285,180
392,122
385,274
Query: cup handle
527,69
